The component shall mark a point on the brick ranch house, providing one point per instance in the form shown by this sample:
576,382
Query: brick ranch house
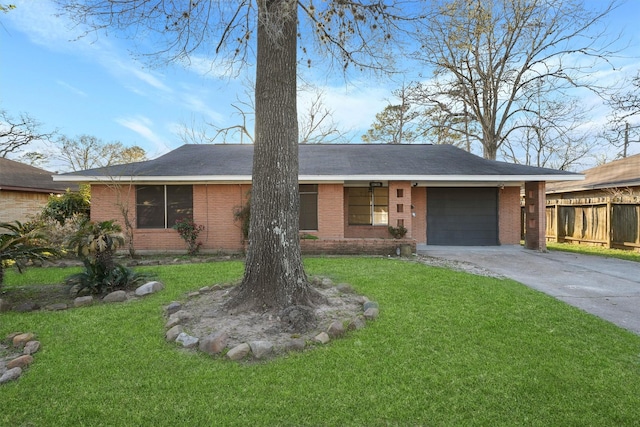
25,190
350,194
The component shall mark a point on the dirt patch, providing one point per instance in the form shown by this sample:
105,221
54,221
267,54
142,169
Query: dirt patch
210,317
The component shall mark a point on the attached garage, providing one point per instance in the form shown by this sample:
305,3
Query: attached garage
462,216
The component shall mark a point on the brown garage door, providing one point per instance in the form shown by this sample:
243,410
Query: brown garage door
462,216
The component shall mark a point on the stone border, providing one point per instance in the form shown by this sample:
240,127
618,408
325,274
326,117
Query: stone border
215,344
19,350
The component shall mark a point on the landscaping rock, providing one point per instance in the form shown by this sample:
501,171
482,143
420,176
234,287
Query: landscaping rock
115,296
31,347
371,313
149,288
239,352
20,362
173,307
214,343
173,333
296,344
83,301
173,321
336,329
26,307
57,306
11,375
322,338
345,288
369,304
187,340
261,349
204,289
182,315
357,322
19,340
193,294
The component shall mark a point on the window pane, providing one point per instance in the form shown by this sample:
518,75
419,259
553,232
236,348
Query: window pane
359,206
380,206
179,203
150,206
309,211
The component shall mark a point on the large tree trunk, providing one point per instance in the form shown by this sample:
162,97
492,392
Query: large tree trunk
274,277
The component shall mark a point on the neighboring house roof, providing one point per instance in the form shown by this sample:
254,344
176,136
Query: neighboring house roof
617,174
326,163
16,176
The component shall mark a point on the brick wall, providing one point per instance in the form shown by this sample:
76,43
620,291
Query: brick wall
356,246
330,211
21,205
509,216
419,221
400,205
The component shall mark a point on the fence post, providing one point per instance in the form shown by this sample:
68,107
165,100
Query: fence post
609,224
556,221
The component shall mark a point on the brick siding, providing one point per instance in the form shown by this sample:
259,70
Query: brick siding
21,205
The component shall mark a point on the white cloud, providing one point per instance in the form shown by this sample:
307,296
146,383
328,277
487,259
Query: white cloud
143,126
72,88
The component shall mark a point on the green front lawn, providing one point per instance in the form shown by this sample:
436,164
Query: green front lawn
628,255
449,348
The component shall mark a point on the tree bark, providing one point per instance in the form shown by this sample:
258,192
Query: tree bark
274,276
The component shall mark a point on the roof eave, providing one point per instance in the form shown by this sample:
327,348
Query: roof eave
325,178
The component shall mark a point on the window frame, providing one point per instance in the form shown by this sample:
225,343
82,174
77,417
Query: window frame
308,190
171,204
376,210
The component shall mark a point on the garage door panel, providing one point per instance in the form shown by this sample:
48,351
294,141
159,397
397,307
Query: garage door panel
462,216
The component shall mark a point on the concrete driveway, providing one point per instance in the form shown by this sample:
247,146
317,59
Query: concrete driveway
606,287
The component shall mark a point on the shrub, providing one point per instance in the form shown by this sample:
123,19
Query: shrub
63,207
95,244
99,279
20,244
189,231
398,232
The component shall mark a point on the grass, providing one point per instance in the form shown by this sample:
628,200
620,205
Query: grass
595,250
448,349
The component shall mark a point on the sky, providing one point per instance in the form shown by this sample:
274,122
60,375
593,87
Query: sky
95,86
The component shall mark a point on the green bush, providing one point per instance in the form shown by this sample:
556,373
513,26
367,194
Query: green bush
95,244
99,279
189,231
21,244
63,207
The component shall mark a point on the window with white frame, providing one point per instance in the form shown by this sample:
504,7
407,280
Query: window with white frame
368,206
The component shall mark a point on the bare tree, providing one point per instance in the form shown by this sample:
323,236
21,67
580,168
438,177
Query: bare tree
396,124
87,152
17,134
625,105
552,135
316,120
486,56
356,33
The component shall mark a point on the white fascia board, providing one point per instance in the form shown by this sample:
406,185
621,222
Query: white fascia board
423,179
441,178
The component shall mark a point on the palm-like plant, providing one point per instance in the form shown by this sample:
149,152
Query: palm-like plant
21,243
96,244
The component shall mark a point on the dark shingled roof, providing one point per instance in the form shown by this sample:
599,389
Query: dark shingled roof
17,176
326,160
617,174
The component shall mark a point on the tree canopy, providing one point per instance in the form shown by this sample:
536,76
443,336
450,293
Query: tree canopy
487,57
355,34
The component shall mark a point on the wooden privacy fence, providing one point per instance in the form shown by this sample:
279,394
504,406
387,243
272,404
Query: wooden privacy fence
612,224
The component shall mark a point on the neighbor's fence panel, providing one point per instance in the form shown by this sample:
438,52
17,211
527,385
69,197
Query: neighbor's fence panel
606,223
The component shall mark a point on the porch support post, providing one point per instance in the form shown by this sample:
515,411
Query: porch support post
535,216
